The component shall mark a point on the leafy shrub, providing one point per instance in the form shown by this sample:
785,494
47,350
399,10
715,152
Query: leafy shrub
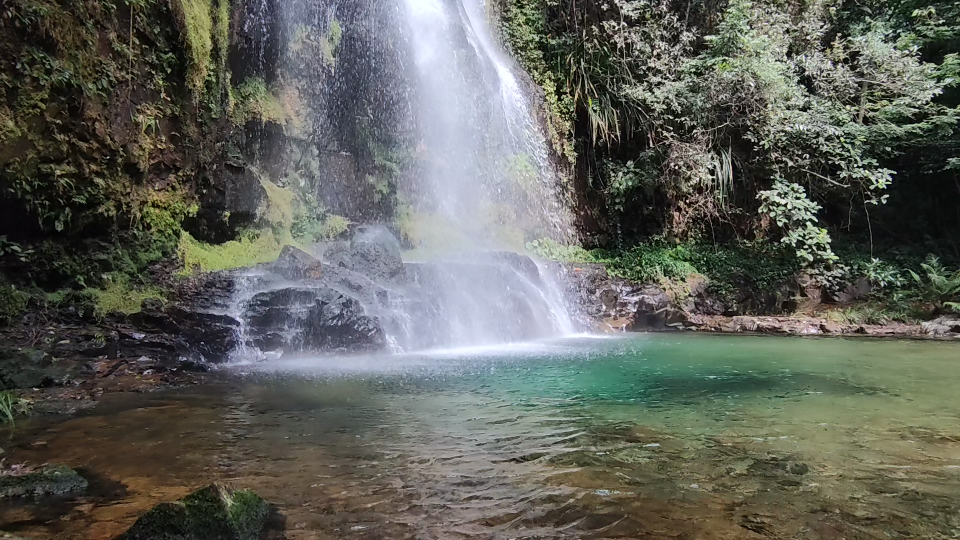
310,228
940,286
796,215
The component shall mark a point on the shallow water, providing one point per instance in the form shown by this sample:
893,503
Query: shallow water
647,436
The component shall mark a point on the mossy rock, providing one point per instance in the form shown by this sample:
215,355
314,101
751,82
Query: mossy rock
216,512
47,480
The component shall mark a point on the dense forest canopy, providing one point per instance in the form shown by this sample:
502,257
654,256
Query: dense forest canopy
808,123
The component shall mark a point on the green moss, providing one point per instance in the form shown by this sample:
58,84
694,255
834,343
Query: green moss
215,511
252,248
221,32
117,295
196,20
13,303
278,207
329,43
728,268
252,100
428,232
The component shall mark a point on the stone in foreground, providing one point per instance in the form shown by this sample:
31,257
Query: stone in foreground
216,512
47,480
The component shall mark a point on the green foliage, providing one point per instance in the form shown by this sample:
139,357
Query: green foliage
939,285
795,214
879,273
712,118
728,268
427,231
13,250
867,313
13,303
651,263
333,226
329,43
118,295
311,227
8,405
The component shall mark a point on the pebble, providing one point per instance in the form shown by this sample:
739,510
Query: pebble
652,445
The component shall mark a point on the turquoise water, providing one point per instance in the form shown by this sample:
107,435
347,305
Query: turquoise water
646,436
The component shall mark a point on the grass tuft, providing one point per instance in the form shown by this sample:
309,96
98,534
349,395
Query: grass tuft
118,295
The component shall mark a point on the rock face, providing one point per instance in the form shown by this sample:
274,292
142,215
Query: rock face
319,319
616,304
214,512
945,326
619,304
294,263
47,480
373,251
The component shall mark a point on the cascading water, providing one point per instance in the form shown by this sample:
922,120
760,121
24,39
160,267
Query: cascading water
482,184
487,173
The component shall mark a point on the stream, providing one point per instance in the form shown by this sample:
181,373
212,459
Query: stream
642,436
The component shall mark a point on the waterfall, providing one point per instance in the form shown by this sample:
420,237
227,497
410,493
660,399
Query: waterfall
427,81
485,150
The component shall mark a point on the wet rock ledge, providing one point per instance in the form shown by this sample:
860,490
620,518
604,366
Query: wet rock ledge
614,304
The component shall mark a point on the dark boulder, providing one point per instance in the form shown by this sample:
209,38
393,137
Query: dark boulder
29,368
178,331
522,264
216,512
46,480
373,252
295,264
311,319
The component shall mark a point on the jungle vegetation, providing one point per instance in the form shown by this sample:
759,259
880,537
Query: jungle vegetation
823,130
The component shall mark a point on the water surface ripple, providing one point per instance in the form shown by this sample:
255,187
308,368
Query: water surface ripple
652,436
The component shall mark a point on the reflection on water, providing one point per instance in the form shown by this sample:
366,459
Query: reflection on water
656,436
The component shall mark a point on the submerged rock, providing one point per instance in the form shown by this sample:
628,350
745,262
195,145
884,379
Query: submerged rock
46,480
216,512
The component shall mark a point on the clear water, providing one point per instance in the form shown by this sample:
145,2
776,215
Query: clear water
651,436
